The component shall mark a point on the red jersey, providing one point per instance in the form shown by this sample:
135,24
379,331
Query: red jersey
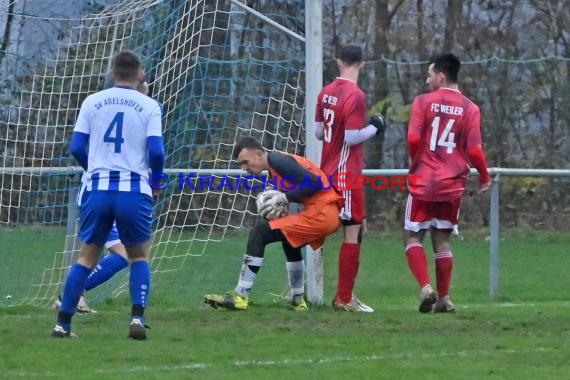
443,126
341,106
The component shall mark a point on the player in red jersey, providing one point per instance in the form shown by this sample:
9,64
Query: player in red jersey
444,140
340,124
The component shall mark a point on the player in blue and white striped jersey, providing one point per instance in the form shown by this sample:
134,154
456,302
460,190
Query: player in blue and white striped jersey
117,139
116,259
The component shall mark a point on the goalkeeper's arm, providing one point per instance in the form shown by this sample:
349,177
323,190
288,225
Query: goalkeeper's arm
287,166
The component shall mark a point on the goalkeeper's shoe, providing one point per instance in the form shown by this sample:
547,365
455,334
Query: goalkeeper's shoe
355,305
60,332
428,298
444,305
137,329
231,300
56,305
298,303
82,306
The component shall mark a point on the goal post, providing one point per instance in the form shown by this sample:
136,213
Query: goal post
313,84
221,71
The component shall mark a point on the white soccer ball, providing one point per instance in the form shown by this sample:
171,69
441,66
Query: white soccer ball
276,210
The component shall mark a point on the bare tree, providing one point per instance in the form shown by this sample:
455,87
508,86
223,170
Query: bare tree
453,15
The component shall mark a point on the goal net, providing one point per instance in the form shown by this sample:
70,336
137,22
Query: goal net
219,71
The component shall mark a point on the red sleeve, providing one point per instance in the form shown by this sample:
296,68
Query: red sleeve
355,111
478,160
473,127
415,126
475,150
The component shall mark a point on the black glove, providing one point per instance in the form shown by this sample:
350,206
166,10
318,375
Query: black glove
379,122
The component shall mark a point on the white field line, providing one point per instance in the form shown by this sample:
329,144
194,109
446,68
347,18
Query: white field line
514,304
298,362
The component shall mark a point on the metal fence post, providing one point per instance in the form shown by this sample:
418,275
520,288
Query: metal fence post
494,246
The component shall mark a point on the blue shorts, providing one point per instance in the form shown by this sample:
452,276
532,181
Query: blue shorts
132,213
113,238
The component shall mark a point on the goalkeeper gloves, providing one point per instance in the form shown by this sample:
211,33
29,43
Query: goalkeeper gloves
274,203
274,213
378,122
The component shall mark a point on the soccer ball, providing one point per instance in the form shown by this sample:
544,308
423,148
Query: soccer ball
276,210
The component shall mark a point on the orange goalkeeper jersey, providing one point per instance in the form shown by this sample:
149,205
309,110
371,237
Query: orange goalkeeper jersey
286,182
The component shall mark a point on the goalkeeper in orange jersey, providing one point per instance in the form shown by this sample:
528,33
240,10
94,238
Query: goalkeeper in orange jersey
300,181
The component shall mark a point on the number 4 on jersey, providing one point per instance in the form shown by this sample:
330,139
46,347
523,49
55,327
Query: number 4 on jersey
447,138
118,138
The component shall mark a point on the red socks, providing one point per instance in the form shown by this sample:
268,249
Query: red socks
417,262
443,269
348,263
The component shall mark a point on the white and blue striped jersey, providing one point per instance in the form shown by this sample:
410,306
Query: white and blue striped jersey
118,121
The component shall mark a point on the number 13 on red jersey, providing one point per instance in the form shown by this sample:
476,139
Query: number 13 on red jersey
328,116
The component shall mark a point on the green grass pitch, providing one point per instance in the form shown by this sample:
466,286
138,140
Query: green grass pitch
523,334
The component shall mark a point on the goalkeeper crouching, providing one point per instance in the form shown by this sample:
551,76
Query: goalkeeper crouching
301,181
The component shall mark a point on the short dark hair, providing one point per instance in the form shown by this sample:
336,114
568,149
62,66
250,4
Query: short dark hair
350,54
448,64
126,65
246,142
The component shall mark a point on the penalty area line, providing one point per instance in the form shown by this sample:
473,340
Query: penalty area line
291,362
384,357
327,360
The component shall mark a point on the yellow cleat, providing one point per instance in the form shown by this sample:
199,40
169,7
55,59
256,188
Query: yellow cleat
298,304
231,301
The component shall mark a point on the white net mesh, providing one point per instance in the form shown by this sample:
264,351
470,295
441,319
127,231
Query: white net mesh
219,72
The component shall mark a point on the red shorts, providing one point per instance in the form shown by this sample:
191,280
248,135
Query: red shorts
354,209
309,226
422,215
